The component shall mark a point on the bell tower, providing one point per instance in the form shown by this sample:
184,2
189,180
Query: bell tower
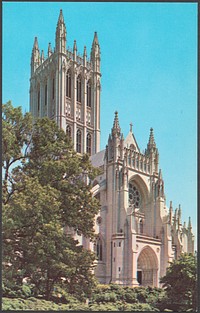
66,87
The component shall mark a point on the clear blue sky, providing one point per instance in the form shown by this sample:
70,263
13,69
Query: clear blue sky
149,74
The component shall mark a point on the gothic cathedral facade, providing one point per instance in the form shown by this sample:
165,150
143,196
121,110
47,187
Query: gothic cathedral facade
137,234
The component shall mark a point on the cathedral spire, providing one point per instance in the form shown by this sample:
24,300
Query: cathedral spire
152,152
116,130
95,53
151,146
61,19
61,34
151,143
95,40
35,57
35,45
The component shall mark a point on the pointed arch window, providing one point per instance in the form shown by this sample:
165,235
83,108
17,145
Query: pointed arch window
45,95
78,89
99,250
89,143
78,141
68,84
89,94
69,131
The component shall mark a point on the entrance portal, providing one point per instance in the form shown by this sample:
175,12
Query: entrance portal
147,266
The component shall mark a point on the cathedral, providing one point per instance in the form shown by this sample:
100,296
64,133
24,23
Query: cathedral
137,234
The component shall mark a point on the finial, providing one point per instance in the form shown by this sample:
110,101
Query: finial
60,19
85,51
151,144
171,207
49,49
95,41
116,128
75,46
42,56
35,45
189,223
131,127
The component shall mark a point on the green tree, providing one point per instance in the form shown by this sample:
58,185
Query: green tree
45,191
180,283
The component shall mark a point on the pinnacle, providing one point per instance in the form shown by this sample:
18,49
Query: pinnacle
116,127
35,45
75,46
61,19
95,40
85,51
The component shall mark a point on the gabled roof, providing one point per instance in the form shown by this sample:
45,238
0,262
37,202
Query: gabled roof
97,159
130,140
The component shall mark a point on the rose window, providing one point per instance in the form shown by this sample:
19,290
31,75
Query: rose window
134,196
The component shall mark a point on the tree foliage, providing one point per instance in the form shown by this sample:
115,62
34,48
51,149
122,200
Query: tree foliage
180,283
45,191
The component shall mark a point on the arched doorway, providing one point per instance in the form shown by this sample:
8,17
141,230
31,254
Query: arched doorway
147,267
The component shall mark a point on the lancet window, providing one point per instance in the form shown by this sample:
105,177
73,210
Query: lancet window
78,89
89,94
45,95
89,143
78,141
68,84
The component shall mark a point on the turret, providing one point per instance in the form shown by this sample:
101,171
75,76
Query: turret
189,225
160,185
49,50
152,153
151,146
61,34
114,140
95,53
116,130
42,56
75,50
179,214
35,57
85,57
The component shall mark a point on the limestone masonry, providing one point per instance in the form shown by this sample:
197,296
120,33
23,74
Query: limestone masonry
137,233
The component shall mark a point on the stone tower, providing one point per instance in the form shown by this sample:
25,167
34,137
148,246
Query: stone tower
66,87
